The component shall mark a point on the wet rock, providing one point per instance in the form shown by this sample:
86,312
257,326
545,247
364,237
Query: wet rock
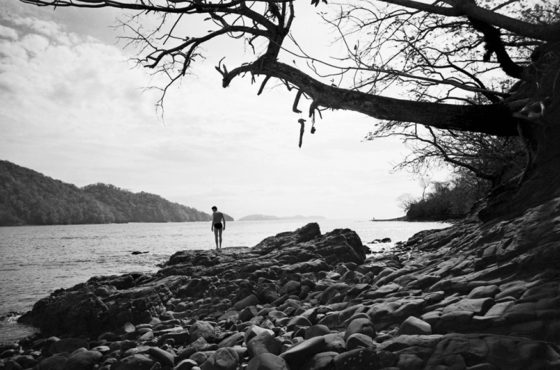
335,342
453,321
298,321
11,365
79,311
83,360
247,313
264,342
186,365
202,329
357,359
360,325
476,305
222,359
431,317
359,340
413,325
147,336
128,327
55,362
404,341
498,309
163,357
201,357
500,351
410,361
134,362
484,291
68,345
321,361
179,337
250,300
316,330
267,361
303,351
288,239
291,287
25,361
255,330
232,340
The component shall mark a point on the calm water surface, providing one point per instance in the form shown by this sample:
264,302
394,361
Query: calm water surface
35,260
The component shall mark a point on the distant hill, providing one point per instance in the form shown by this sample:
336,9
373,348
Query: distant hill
28,197
258,217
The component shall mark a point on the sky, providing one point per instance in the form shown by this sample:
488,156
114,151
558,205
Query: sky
74,107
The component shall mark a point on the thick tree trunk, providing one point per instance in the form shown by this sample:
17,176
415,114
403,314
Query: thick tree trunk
541,181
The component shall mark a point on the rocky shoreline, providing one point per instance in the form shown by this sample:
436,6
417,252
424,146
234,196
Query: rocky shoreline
473,296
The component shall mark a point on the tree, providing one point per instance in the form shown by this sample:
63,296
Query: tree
487,159
442,56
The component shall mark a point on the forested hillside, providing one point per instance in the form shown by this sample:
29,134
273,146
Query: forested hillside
30,198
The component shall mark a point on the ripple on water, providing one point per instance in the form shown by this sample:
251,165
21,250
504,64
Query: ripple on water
12,331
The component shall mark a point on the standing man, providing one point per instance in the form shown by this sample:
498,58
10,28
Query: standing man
217,226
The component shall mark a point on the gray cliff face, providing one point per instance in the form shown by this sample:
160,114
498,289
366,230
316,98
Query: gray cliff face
473,296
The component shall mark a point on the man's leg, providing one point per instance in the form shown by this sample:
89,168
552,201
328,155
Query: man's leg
216,231
220,235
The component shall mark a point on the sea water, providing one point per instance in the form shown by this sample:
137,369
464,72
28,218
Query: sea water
36,260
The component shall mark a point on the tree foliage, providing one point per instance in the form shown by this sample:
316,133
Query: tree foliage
449,200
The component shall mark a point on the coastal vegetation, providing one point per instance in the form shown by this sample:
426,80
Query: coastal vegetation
30,198
478,163
451,200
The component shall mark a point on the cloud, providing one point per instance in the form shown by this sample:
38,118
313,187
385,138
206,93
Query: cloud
75,109
8,33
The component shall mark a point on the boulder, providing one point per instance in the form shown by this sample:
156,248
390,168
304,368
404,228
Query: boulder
83,360
222,359
163,357
202,329
55,362
267,361
68,345
359,340
357,359
360,325
264,342
303,351
288,239
321,361
134,362
413,325
78,310
316,330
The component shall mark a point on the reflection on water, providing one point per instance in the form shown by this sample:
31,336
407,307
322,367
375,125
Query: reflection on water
36,260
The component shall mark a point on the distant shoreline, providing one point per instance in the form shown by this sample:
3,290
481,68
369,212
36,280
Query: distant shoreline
402,218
